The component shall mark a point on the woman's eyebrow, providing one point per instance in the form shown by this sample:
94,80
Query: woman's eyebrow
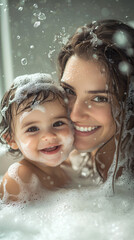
88,91
97,91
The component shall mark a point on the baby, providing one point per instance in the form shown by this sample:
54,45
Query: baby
35,124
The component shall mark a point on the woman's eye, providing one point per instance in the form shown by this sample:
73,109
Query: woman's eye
32,129
69,91
58,124
100,99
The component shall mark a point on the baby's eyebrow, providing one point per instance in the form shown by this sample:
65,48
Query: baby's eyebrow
61,117
67,85
28,124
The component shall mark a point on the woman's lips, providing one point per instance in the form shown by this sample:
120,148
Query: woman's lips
51,150
86,133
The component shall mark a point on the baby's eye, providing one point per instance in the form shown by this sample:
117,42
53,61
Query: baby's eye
33,129
58,124
69,91
100,99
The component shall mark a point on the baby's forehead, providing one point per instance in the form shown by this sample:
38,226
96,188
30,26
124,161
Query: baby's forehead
30,104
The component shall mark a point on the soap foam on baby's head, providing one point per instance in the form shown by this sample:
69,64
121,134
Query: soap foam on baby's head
29,85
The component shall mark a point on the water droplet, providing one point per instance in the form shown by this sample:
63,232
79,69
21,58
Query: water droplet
105,12
124,67
95,56
121,39
20,9
41,16
103,166
24,61
50,53
18,37
85,172
66,100
52,182
32,46
35,6
36,24
130,51
48,177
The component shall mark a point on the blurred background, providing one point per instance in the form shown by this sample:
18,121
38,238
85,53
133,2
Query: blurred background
32,32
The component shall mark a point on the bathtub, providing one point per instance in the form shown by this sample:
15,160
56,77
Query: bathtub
79,213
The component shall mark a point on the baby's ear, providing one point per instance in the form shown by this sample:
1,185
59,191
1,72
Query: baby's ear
10,141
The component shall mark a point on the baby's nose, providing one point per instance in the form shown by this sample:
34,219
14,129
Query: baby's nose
48,137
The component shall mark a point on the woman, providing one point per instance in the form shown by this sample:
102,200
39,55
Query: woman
97,72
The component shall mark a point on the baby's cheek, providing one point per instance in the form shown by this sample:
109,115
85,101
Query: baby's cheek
27,148
67,140
68,131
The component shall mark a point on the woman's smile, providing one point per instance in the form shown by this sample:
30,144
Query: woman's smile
85,131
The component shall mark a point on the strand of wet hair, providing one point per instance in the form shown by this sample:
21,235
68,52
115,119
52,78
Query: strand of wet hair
119,142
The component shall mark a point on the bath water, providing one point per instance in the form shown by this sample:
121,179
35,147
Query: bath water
77,213
81,213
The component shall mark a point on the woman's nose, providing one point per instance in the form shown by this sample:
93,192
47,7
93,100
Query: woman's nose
79,111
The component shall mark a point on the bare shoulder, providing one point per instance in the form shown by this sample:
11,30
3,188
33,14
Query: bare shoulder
19,183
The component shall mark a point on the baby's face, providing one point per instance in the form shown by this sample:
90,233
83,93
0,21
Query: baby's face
44,134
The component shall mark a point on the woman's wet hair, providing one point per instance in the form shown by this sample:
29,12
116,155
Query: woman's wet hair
26,92
110,43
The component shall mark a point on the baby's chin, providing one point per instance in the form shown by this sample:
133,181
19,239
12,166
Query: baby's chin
55,163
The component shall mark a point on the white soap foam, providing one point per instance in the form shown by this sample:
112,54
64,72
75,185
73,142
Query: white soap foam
84,213
34,107
27,190
89,211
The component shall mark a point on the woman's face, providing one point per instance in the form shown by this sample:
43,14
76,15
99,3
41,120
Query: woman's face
90,110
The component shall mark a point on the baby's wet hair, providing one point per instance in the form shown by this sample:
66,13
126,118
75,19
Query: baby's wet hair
26,92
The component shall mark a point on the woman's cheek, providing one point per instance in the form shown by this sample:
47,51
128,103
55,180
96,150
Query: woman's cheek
104,114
